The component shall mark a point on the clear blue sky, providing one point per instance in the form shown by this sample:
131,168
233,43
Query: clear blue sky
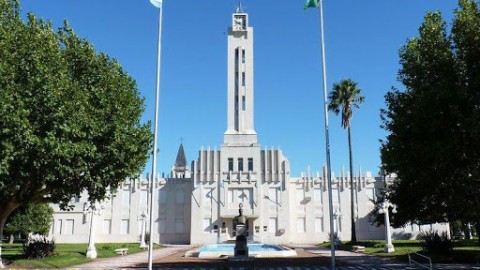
362,43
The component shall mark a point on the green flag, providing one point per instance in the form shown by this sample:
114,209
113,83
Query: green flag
311,3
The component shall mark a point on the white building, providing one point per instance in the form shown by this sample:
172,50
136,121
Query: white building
197,205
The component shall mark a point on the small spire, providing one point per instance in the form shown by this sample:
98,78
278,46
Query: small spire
181,161
239,9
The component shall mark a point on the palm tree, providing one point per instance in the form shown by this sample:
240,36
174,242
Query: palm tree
344,96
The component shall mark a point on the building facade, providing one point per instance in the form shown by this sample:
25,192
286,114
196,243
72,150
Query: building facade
197,204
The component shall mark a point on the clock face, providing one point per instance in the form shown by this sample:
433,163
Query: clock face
239,22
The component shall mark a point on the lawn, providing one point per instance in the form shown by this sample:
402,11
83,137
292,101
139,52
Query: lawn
464,251
67,255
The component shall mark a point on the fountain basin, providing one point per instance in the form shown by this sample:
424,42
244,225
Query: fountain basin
255,250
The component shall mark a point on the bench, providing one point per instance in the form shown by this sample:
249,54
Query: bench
358,248
121,251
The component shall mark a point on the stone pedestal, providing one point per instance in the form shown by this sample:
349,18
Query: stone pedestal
241,248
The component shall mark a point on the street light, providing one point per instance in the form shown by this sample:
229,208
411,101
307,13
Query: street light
384,209
92,209
1,263
143,217
337,216
157,4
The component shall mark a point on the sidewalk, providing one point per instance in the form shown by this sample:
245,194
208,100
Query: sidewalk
361,259
131,260
352,258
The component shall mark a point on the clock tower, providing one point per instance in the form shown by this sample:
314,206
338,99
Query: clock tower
240,128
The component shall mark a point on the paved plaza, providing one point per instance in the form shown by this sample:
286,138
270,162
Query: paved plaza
309,258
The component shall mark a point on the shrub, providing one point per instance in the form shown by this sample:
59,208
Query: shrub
105,247
38,247
433,243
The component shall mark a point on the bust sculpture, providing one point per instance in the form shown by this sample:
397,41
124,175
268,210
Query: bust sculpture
240,228
240,219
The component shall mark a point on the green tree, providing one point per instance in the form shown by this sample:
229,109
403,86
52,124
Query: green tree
434,124
69,116
32,218
343,98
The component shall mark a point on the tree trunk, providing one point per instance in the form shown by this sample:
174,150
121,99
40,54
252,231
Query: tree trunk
11,239
478,231
352,188
466,230
6,208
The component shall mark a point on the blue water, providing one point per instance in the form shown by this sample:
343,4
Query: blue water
229,248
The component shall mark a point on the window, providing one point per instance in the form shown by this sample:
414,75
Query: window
243,103
179,196
125,226
107,226
250,164
58,227
243,78
230,164
69,226
318,224
125,198
236,57
240,164
301,225
75,199
243,56
272,225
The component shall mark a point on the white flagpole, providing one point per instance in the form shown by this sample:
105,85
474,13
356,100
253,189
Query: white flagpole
327,139
158,4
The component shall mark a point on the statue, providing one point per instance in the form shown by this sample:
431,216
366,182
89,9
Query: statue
240,228
240,219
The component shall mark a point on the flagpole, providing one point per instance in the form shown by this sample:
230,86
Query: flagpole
158,4
327,139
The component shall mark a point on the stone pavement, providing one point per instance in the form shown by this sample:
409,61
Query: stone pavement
319,260
132,260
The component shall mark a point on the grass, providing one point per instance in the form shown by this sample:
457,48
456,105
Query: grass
67,255
465,251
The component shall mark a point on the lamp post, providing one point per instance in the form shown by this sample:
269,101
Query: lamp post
93,211
383,209
1,263
143,217
157,4
337,215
